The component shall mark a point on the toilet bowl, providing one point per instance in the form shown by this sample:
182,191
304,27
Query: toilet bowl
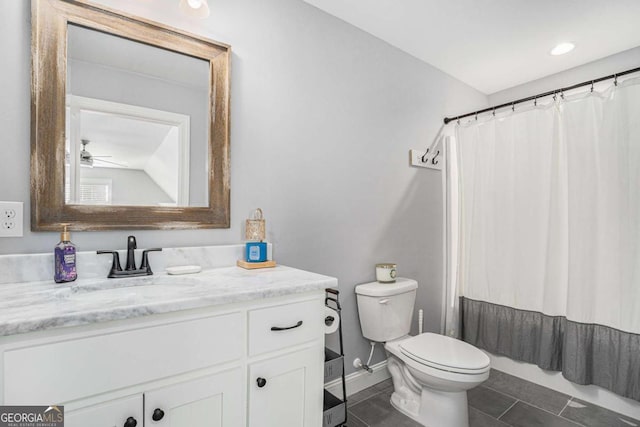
431,373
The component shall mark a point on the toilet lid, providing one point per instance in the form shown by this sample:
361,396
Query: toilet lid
445,353
377,289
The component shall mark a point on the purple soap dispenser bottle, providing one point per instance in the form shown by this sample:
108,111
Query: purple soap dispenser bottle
65,259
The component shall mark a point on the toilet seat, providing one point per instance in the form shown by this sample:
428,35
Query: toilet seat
439,378
445,354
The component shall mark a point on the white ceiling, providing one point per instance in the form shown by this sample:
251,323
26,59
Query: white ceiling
496,44
127,141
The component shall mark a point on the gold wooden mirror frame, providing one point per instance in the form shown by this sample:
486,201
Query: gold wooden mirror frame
50,19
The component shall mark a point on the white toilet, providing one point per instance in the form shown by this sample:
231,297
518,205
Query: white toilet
431,373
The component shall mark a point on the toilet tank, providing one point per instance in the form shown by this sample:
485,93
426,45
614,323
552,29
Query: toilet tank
386,309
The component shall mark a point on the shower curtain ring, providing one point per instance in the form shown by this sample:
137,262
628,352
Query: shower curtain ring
555,96
615,80
562,93
591,86
513,106
458,120
476,116
494,111
535,101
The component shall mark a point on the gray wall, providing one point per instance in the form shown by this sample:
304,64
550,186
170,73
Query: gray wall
603,67
323,116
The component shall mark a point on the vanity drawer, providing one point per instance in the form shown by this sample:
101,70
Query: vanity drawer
63,371
285,325
111,413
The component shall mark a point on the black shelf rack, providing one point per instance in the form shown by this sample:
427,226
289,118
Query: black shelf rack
335,409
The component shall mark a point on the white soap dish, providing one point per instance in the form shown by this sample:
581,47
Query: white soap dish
184,269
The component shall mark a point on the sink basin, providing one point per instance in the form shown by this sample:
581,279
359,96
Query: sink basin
136,286
106,284
125,293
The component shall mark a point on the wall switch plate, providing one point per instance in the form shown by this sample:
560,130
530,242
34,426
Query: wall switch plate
430,161
11,219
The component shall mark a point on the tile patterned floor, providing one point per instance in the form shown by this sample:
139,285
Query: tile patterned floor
502,401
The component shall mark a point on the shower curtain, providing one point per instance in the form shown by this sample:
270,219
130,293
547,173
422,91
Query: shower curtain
543,236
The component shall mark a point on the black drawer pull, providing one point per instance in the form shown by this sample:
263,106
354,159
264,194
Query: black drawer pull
131,422
158,414
278,328
261,382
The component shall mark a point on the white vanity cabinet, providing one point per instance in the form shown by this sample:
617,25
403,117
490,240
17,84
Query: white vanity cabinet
120,412
283,389
195,368
210,401
284,392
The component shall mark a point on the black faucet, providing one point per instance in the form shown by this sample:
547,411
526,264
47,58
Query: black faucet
130,270
131,254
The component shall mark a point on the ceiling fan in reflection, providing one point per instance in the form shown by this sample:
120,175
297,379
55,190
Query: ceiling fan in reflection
87,159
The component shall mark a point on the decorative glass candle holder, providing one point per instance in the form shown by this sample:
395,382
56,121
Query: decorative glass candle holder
255,227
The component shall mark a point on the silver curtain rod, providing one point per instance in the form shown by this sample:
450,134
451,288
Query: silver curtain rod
542,95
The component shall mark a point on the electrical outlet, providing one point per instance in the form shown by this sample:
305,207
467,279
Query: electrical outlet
11,219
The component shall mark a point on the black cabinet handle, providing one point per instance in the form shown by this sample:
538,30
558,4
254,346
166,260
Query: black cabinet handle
278,328
131,422
261,382
158,414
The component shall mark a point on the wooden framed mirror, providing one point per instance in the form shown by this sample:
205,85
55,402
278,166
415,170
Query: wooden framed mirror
129,122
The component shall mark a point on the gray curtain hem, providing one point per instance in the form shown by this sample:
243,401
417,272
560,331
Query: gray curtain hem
585,353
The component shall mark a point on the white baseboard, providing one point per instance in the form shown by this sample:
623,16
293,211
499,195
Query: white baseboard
359,380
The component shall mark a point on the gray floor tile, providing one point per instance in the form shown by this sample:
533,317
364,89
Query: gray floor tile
378,412
371,407
489,401
591,415
479,419
353,421
385,385
358,397
523,415
536,395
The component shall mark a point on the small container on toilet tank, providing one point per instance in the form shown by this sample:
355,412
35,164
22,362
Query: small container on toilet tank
386,272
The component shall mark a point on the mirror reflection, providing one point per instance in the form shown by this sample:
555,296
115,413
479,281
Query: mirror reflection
136,123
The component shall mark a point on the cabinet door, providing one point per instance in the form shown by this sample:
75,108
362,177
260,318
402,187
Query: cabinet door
211,401
287,391
115,413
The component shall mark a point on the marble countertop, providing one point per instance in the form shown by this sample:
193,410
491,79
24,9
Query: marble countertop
35,306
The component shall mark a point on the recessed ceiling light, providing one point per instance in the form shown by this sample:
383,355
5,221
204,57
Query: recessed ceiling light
195,8
562,48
